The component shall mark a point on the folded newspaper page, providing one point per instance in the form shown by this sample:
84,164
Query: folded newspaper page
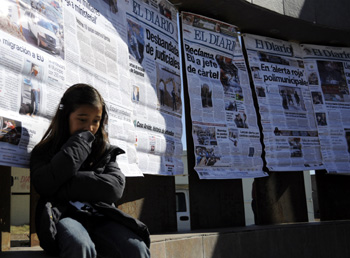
225,131
285,104
128,50
328,74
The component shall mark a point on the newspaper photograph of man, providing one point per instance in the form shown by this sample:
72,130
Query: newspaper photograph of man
206,95
229,76
136,41
31,89
168,87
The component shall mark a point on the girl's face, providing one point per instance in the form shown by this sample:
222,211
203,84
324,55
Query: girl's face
85,118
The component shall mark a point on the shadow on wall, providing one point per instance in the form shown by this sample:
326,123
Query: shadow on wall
152,200
325,13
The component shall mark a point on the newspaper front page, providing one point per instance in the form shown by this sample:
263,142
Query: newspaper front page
328,74
225,131
285,104
122,48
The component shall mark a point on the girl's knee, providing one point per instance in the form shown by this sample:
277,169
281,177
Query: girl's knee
74,240
138,249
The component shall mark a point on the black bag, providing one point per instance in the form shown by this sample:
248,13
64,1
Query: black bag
128,221
48,214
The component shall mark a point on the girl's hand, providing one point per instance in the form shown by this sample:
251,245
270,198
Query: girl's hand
48,176
86,136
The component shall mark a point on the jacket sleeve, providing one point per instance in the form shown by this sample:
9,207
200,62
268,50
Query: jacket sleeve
89,186
48,175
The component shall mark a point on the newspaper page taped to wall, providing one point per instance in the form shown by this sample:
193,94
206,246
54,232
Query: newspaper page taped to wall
328,74
225,131
122,48
285,104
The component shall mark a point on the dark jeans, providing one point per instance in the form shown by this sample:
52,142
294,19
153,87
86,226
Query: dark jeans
98,237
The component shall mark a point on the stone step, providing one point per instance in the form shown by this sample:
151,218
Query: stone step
302,240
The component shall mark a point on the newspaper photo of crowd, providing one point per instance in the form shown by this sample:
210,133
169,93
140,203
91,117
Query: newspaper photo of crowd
204,135
206,156
292,98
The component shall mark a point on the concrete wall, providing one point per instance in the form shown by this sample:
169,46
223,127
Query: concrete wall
322,12
20,194
247,192
320,22
20,209
305,240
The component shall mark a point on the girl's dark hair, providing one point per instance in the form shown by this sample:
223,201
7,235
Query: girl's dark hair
58,132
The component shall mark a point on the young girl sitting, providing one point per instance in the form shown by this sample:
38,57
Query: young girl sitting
75,172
